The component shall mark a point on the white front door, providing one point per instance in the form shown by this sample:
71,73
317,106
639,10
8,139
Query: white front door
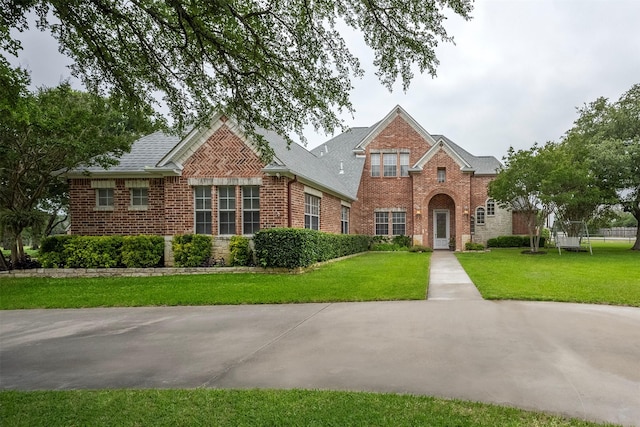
441,229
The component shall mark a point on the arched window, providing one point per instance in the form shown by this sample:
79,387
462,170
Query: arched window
480,216
491,207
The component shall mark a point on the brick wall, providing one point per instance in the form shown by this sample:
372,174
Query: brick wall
122,220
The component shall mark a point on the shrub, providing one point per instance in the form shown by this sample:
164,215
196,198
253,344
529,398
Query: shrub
512,242
420,248
191,250
240,252
470,246
93,252
402,241
387,247
293,247
51,249
142,251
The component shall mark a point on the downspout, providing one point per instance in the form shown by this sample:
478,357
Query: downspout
413,209
295,179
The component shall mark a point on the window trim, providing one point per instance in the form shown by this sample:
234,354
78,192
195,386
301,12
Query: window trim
480,215
345,213
392,166
404,167
376,166
132,198
491,203
311,203
208,225
231,190
251,210
108,206
395,223
378,223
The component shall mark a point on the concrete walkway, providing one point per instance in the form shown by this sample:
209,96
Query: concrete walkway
578,360
448,280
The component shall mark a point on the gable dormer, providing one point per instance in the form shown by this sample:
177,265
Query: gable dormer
441,145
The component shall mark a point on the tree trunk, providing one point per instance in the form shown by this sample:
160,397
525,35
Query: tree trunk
3,263
636,215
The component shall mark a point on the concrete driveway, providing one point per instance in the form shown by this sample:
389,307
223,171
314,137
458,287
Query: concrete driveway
573,359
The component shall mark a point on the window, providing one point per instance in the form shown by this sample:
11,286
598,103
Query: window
404,164
382,223
139,197
311,212
491,207
399,223
203,209
227,210
345,220
473,224
104,198
389,166
250,209
480,216
442,174
375,164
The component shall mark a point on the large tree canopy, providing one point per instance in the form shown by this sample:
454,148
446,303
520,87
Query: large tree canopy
275,64
47,133
610,133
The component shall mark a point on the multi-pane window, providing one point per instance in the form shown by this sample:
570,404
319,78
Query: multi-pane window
375,164
104,198
311,212
250,209
227,210
345,220
139,197
399,223
382,223
473,224
202,196
389,164
491,207
404,164
442,174
480,216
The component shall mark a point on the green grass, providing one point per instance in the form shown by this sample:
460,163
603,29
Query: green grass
368,277
610,276
209,407
33,253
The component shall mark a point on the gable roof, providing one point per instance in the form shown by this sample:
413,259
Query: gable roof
382,124
335,166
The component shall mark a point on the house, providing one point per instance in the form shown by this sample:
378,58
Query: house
393,178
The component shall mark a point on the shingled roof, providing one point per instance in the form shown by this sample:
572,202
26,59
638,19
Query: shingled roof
335,166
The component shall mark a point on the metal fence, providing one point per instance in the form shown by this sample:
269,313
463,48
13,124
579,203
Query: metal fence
616,233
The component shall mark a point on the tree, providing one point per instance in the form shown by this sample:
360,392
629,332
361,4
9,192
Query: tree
47,133
523,185
611,133
279,65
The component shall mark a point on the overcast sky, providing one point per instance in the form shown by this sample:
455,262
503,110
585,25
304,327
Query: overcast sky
515,75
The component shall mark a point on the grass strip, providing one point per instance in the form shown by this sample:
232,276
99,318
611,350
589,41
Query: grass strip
610,276
256,408
372,276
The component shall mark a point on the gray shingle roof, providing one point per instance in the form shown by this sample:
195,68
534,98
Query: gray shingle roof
145,152
483,165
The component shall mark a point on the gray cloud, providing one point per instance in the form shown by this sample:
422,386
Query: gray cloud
517,72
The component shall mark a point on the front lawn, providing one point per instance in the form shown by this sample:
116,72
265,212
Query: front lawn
207,407
610,276
372,276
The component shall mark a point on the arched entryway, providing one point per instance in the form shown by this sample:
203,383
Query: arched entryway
442,221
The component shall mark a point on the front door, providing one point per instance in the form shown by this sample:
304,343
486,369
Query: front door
441,229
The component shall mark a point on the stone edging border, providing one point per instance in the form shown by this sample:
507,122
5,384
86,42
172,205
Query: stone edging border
155,271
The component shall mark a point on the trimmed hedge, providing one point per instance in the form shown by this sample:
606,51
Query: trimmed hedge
470,246
512,242
192,250
294,247
71,251
239,251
